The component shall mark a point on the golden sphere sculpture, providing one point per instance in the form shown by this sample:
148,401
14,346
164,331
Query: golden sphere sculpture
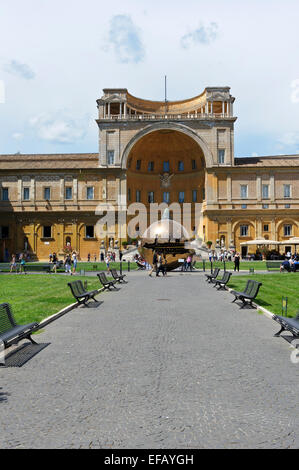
168,238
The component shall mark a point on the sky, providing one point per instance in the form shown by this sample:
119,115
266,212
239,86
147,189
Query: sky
58,55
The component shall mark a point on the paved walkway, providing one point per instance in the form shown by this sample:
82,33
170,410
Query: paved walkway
164,363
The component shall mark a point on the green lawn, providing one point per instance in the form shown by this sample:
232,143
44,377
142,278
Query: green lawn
275,286
36,296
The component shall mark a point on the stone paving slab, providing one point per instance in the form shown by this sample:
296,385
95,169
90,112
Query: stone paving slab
163,363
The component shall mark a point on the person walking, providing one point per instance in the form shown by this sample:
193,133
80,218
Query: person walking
189,261
159,265
237,262
154,266
67,264
75,261
54,261
13,264
107,261
22,264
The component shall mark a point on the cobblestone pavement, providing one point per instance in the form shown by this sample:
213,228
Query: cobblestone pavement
163,363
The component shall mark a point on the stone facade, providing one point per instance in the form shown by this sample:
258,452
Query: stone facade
162,151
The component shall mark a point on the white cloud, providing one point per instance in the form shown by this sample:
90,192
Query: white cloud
295,92
289,139
17,136
202,35
2,92
124,39
21,70
59,128
254,154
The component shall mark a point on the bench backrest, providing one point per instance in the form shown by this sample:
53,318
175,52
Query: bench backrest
248,287
216,272
114,273
7,321
255,286
103,278
226,277
77,288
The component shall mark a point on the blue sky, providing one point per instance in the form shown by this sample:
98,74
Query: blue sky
57,56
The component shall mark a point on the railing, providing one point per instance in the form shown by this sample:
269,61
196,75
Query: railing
166,117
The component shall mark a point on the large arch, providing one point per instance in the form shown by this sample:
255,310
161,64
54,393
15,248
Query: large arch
172,127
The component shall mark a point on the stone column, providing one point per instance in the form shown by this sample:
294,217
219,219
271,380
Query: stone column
109,110
62,190
272,188
259,188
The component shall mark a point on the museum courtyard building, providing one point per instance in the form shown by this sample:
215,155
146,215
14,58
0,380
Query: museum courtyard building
150,152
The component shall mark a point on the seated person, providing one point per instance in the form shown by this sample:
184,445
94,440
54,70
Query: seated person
285,265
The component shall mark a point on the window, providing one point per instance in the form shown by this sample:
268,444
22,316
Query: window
181,196
221,155
265,191
243,206
194,195
47,231
150,166
203,193
4,231
287,206
265,206
166,197
129,194
193,164
138,164
26,194
90,192
68,192
286,190
150,196
266,228
89,231
138,195
110,157
4,194
244,191
47,193
181,166
287,230
244,230
166,166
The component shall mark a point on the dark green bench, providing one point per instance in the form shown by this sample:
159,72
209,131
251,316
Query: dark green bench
105,282
273,265
10,331
221,283
80,293
288,324
249,294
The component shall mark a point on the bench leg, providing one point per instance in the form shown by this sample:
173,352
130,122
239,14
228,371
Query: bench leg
234,300
279,332
32,340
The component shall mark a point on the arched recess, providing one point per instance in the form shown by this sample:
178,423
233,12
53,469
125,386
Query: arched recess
287,221
171,126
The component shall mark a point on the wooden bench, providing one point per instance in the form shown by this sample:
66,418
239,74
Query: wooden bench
10,331
288,324
213,275
104,281
81,294
249,294
118,277
221,283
